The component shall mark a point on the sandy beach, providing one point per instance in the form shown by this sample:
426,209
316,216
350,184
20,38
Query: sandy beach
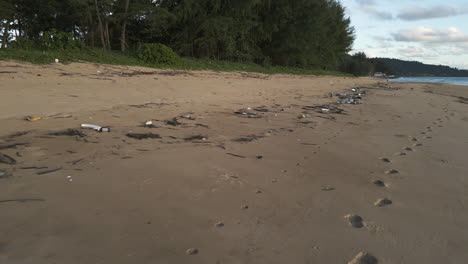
239,168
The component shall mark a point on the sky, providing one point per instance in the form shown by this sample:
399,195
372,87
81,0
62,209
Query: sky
430,31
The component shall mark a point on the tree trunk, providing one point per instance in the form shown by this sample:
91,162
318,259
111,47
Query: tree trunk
107,35
101,28
123,36
91,32
20,28
5,34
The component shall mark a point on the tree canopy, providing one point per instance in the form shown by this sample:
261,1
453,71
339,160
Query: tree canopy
306,33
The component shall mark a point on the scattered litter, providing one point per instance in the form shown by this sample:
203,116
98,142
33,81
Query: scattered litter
363,258
69,178
354,220
48,171
259,157
76,161
33,118
328,188
68,132
305,115
33,168
96,127
249,113
191,251
235,155
325,109
354,97
58,116
248,138
382,202
261,109
4,174
173,122
189,117
141,136
5,159
349,100
197,137
202,125
23,200
57,61
12,145
147,105
18,134
149,124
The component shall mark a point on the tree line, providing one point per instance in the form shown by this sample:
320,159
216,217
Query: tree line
418,69
304,33
359,65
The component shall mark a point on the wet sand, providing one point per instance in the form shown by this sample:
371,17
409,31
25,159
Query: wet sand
290,184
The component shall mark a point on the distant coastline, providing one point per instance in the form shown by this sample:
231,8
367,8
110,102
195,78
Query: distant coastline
444,80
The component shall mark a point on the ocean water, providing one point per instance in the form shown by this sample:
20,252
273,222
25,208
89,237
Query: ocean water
446,80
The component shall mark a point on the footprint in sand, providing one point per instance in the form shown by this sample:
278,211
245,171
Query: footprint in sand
191,251
379,183
219,224
400,154
354,220
363,258
391,172
382,202
407,149
417,145
385,160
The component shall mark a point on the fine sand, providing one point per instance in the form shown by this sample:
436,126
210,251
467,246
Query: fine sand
385,181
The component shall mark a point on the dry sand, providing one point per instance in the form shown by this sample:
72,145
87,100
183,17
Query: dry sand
290,195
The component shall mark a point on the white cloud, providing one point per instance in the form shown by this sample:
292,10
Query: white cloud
383,15
366,2
417,52
430,35
418,13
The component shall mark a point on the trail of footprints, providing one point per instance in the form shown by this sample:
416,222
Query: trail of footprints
357,221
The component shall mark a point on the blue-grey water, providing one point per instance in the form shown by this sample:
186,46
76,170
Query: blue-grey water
446,80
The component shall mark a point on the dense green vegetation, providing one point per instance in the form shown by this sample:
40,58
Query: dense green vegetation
118,58
313,34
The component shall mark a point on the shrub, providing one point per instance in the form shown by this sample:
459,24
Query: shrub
55,40
50,40
23,43
156,53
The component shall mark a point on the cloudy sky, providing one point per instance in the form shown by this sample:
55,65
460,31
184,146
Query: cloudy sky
430,31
